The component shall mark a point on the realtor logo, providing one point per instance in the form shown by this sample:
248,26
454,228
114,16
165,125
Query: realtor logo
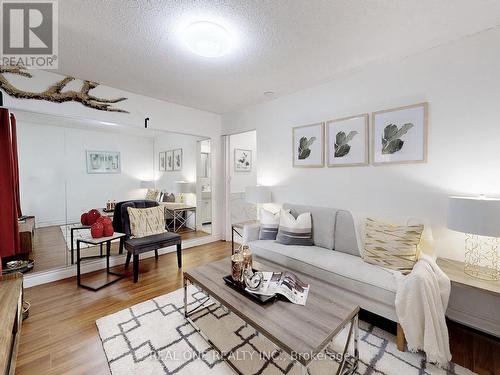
29,33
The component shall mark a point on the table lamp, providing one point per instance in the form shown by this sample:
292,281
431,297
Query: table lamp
258,195
183,187
479,219
147,184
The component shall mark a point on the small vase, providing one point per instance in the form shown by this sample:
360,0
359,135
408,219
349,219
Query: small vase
247,257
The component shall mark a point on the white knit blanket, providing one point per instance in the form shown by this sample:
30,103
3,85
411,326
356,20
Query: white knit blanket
421,302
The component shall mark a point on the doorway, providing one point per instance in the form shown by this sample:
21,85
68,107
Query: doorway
241,172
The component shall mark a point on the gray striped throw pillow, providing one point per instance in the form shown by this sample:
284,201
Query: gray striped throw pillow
295,231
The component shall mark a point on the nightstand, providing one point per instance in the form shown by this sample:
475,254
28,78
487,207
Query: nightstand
238,229
473,302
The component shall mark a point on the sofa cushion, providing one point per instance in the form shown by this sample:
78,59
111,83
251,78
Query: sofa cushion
370,281
295,231
323,223
345,234
153,242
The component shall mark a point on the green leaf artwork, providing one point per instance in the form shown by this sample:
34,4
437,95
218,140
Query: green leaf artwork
391,140
342,146
304,144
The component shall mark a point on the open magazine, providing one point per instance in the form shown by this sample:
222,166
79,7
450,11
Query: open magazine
284,283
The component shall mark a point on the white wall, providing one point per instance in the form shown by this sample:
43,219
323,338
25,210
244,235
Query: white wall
244,141
55,186
163,115
461,82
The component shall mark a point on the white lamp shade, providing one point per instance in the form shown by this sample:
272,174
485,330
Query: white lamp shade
184,187
147,184
480,216
258,194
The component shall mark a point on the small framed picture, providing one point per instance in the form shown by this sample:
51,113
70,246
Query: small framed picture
242,160
103,162
162,162
177,159
169,160
347,141
308,146
400,135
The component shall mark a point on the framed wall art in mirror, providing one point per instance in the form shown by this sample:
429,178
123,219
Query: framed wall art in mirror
169,160
162,162
103,162
177,159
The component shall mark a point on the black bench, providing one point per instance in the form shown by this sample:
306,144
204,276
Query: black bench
136,246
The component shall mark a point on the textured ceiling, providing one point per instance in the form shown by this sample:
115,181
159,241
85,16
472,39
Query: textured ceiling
284,45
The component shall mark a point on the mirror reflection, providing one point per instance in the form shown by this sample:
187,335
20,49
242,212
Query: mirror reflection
72,171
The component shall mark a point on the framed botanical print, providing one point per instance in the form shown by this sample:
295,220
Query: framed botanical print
169,160
103,162
162,162
242,160
400,135
177,159
347,141
308,146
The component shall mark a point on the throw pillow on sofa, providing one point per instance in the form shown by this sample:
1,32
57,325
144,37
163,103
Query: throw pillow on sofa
152,195
269,224
295,231
392,246
146,221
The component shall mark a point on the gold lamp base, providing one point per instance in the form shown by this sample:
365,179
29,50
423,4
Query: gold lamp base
481,257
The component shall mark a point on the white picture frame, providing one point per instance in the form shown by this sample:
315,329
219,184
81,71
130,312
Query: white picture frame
103,162
169,160
311,153
162,162
399,135
347,141
177,158
242,160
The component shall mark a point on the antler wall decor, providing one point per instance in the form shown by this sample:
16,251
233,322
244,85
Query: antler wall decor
55,94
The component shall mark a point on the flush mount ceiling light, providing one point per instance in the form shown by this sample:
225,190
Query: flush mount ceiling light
207,39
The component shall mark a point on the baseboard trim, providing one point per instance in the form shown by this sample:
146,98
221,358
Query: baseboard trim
479,323
49,276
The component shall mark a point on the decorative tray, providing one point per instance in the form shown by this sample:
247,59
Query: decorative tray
18,266
257,297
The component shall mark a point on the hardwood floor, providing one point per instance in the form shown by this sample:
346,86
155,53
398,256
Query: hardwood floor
50,249
60,336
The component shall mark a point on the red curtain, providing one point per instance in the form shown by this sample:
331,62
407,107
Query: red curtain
9,187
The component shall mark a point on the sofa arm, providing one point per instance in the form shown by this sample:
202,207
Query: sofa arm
250,233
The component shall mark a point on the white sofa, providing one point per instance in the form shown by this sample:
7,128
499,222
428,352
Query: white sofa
334,257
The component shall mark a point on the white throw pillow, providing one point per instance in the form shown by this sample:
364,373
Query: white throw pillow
269,223
295,231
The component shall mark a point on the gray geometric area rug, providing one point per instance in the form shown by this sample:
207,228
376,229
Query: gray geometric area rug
154,338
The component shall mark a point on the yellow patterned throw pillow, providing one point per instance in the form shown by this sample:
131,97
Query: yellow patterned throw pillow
392,246
146,221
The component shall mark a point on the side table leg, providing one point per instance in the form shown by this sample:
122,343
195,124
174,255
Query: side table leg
185,298
108,254
72,247
77,262
232,240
